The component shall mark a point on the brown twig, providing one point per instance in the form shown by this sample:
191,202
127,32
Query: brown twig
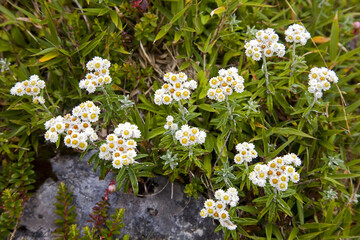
84,16
153,194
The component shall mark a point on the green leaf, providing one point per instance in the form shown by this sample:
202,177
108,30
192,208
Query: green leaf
316,225
290,131
348,55
114,18
54,37
334,38
134,181
184,65
179,14
207,107
156,132
268,231
164,29
94,43
293,233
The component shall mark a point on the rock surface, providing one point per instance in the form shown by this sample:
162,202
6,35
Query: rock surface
155,216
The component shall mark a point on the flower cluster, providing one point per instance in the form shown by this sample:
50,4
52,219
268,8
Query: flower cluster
246,152
319,80
30,87
217,209
170,123
297,34
87,111
78,132
278,171
120,146
225,84
175,88
98,77
190,136
266,43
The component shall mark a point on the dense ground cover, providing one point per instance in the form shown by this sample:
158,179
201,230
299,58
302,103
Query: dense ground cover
145,40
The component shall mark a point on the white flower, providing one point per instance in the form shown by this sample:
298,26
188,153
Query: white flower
170,118
209,203
29,87
176,88
39,99
246,153
219,209
190,136
263,44
117,163
99,77
225,84
203,213
319,80
219,193
53,137
297,33
277,171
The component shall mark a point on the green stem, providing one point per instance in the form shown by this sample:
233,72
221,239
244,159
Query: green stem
107,97
266,73
47,110
228,108
311,106
293,60
182,110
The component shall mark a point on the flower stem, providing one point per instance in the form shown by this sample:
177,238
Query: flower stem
222,149
293,60
266,73
230,111
107,97
311,106
182,110
47,110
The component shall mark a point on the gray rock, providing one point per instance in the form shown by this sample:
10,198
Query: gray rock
155,216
